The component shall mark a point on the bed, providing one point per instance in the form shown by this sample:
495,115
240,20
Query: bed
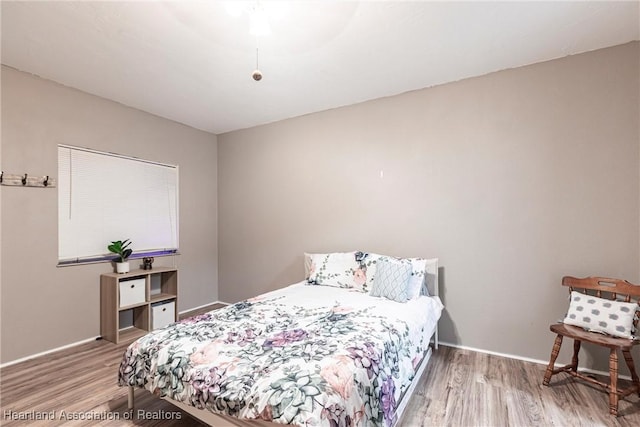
301,355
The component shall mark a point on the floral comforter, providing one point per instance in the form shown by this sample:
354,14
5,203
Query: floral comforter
301,355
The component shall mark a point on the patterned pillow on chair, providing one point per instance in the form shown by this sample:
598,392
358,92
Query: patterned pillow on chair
601,315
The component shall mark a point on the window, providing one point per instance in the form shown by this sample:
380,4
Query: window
104,197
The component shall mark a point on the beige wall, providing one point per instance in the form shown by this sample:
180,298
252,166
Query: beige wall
512,179
43,306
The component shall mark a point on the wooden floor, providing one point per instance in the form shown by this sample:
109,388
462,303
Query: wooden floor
459,388
465,388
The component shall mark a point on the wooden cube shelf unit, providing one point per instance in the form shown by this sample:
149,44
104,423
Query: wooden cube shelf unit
111,286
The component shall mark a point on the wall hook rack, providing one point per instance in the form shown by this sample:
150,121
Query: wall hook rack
26,180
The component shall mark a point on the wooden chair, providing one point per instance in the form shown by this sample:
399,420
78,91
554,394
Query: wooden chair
604,288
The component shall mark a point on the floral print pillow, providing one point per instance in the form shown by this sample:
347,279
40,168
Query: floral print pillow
338,269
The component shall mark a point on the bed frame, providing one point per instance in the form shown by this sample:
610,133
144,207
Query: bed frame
216,420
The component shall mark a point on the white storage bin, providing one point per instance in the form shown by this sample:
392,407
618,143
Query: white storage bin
132,292
162,314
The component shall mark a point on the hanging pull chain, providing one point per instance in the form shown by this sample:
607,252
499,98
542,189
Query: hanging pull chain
257,74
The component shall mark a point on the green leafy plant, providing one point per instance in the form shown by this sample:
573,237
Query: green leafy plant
120,248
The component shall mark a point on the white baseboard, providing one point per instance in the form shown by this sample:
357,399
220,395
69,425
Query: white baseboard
44,353
527,359
203,306
64,347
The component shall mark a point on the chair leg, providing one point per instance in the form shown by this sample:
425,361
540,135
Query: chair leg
632,369
574,359
613,373
554,355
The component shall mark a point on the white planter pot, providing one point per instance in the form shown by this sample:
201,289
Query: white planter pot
122,267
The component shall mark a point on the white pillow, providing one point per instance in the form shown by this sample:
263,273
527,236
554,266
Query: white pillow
392,280
334,269
601,315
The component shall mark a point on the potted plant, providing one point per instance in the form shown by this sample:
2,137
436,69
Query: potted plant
120,248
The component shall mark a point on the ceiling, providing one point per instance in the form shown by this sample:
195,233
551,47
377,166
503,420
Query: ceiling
191,61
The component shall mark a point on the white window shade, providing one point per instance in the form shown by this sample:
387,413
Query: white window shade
103,197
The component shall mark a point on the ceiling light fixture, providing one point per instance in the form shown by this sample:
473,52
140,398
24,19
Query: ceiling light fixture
258,25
